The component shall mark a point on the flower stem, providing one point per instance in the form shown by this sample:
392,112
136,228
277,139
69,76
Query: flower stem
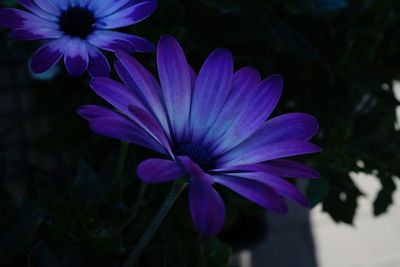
173,194
123,151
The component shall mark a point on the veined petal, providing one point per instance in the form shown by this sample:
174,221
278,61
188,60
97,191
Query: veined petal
109,123
98,63
159,171
129,15
206,205
76,58
255,191
175,78
49,6
268,152
47,55
118,41
258,106
212,87
138,79
277,167
244,80
279,185
292,126
25,34
31,6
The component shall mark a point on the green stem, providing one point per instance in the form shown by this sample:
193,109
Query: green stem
173,194
123,151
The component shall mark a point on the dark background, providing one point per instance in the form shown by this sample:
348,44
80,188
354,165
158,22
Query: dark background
338,60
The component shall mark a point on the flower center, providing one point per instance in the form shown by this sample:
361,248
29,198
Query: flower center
198,154
77,22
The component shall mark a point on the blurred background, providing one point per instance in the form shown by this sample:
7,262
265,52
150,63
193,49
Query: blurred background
340,62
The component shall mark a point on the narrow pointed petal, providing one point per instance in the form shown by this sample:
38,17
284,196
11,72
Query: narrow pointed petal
277,167
292,126
256,109
25,34
279,185
109,7
31,6
118,41
98,63
47,56
49,6
244,80
109,123
76,58
159,171
268,152
206,205
140,80
211,91
175,78
129,15
255,191
19,19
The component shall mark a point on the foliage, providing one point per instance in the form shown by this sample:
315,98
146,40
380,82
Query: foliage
338,58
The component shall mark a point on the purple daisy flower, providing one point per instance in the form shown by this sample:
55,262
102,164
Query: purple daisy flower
76,30
211,128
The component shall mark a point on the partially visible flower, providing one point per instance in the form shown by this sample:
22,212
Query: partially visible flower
76,30
210,128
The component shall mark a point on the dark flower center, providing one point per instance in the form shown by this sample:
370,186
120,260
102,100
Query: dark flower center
77,22
198,154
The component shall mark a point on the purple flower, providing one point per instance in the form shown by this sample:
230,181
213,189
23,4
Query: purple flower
76,30
210,128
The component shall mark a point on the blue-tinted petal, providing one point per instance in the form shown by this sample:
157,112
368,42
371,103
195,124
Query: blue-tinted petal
268,152
118,41
19,19
25,34
206,205
98,63
129,15
76,57
279,185
175,79
141,81
255,191
47,55
49,6
278,167
109,123
31,6
159,171
244,80
254,111
212,87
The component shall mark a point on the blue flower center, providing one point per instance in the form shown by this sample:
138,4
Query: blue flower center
77,22
198,154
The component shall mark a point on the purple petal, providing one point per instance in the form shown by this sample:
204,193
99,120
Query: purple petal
16,19
268,152
31,6
174,74
211,90
76,58
98,63
49,6
109,123
109,7
255,191
292,126
47,56
115,93
129,15
25,34
118,41
255,110
206,205
140,80
279,185
244,80
277,167
159,171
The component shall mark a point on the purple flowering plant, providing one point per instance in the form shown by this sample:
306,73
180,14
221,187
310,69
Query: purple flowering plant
210,128
77,30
